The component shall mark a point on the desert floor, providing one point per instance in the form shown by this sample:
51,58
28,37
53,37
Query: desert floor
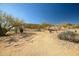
39,44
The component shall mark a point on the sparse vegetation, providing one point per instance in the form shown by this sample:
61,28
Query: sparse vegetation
69,36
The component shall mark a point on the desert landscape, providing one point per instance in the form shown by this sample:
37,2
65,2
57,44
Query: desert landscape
39,29
38,43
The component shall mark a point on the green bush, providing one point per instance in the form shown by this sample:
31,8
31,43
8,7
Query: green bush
69,36
3,31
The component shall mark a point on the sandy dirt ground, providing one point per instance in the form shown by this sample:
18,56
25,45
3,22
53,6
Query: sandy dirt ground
41,44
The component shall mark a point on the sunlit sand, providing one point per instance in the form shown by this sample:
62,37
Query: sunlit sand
39,44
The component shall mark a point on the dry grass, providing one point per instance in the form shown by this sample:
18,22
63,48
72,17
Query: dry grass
69,36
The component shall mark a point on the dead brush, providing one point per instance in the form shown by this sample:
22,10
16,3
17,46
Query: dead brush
69,36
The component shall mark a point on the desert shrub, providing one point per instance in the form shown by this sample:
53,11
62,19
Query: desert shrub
69,36
3,31
7,22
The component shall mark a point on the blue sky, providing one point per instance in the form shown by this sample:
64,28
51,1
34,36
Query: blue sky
39,13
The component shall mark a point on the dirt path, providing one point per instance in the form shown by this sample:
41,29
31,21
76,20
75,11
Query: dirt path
42,44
